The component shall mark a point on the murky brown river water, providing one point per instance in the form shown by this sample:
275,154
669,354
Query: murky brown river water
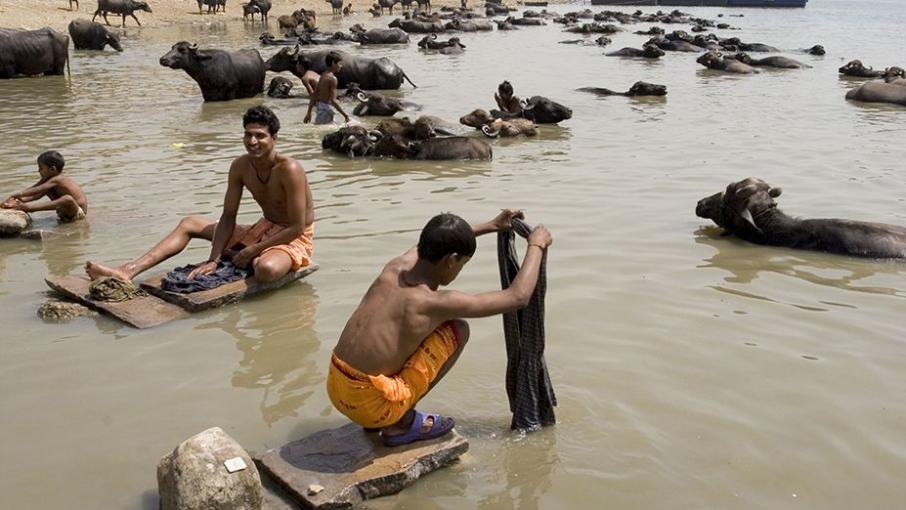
693,370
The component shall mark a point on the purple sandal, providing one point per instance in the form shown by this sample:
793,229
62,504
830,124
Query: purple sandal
440,427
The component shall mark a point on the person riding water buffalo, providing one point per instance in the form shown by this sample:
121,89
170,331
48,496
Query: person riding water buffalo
506,101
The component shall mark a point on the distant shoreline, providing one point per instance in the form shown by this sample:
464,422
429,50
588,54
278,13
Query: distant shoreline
34,14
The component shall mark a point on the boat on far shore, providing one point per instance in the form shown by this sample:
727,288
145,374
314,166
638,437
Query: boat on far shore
704,3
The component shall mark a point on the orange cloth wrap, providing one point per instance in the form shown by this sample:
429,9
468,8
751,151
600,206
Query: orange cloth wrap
381,400
299,249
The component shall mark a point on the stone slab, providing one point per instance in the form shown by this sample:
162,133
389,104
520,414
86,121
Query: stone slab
352,465
225,294
139,312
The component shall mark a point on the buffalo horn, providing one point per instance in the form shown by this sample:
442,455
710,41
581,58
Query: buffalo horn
486,129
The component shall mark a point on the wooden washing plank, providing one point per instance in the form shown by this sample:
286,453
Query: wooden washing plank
139,312
351,466
229,293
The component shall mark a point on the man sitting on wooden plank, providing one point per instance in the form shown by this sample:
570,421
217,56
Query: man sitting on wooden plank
280,242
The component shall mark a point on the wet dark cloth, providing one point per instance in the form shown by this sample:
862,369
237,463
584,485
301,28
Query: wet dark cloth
178,281
528,384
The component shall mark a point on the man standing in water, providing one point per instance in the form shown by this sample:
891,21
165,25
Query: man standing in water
280,242
406,334
325,94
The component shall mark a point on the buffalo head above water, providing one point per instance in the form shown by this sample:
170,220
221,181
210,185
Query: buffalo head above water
181,55
736,207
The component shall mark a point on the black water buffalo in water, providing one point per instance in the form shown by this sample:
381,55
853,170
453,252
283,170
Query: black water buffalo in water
647,51
751,47
716,61
639,88
220,75
454,147
380,105
122,7
352,141
747,210
539,110
857,69
878,91
30,52
279,87
91,35
369,73
252,7
773,61
451,46
417,27
380,35
458,25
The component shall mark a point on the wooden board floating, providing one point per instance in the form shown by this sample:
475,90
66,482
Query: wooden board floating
159,306
139,312
352,465
225,294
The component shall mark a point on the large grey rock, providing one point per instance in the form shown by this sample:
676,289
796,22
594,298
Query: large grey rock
13,222
193,476
56,310
340,468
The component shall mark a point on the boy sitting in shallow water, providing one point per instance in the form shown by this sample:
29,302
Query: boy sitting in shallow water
406,334
66,198
507,102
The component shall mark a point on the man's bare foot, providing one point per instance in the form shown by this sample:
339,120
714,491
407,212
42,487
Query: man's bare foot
96,271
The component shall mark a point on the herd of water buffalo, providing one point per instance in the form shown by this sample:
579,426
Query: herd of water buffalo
746,208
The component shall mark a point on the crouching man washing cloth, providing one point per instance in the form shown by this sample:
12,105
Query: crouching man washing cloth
406,334
280,242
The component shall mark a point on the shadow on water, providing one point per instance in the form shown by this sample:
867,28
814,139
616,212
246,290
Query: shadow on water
276,355
745,261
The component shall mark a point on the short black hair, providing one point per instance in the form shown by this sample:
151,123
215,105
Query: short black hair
52,158
332,57
505,88
264,116
446,234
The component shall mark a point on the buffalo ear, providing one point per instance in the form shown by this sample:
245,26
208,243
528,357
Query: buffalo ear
202,55
775,192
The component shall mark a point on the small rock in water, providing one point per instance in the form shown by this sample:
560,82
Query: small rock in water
13,222
315,489
57,310
193,476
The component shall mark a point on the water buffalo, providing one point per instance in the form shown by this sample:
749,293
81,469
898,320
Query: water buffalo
855,68
539,110
213,5
424,127
279,87
493,128
386,4
716,61
458,25
424,5
816,50
674,45
505,25
647,51
336,6
352,141
370,74
454,147
751,47
381,36
773,61
880,92
747,210
261,7
417,27
380,105
526,22
593,28
451,46
122,7
76,2
30,52
639,88
90,35
221,75
651,31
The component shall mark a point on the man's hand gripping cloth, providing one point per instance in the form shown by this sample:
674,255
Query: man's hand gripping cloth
380,400
528,384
